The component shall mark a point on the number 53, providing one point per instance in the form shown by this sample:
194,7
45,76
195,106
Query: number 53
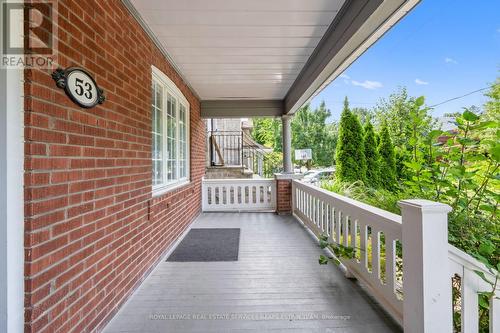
80,90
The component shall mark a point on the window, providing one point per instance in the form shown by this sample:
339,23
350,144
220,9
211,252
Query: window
170,134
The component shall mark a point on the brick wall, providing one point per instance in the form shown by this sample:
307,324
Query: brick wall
284,196
92,228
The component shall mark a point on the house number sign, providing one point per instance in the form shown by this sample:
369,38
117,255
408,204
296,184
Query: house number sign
80,86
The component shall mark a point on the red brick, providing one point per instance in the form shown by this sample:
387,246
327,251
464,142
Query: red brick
88,174
60,150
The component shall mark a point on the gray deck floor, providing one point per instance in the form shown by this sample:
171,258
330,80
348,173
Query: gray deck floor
276,285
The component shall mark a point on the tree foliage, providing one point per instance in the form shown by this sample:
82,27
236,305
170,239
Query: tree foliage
372,157
267,132
364,115
309,130
350,157
387,160
404,117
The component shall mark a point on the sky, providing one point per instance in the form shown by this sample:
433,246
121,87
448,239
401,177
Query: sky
442,49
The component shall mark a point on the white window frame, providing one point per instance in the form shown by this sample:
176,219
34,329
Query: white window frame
169,88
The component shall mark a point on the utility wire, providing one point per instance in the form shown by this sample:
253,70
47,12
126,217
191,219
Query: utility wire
462,96
432,106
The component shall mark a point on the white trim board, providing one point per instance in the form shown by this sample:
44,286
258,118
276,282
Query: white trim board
11,201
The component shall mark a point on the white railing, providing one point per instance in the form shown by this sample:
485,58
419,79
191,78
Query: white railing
351,223
464,266
238,195
391,248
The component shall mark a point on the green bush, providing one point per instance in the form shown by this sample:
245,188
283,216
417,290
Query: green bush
350,157
372,157
387,160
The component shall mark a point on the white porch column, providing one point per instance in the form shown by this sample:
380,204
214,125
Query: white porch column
426,278
287,143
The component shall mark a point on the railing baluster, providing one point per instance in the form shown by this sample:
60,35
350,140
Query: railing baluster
495,315
354,229
338,224
362,246
390,263
345,230
332,224
210,193
470,319
322,216
376,253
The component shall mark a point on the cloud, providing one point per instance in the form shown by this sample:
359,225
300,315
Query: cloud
450,61
421,82
367,84
344,76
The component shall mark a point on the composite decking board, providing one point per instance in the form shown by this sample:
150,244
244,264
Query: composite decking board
277,274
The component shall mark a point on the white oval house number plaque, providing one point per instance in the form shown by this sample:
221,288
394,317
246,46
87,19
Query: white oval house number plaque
80,86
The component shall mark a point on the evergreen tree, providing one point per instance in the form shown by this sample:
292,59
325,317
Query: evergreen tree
372,157
350,157
387,159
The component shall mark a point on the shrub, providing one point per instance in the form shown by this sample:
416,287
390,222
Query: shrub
387,160
350,157
372,157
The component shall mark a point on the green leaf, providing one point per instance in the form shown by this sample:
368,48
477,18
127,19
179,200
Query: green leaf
323,260
413,165
420,101
483,302
488,208
435,134
495,153
457,170
485,124
469,116
482,276
486,248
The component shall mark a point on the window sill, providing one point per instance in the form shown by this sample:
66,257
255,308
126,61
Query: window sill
169,188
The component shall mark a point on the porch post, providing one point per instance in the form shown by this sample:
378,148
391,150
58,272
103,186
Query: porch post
287,143
427,305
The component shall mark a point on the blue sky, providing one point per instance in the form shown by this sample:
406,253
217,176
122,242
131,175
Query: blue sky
442,49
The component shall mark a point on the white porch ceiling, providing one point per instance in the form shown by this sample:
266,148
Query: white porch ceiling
239,49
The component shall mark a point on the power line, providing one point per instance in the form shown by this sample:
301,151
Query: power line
462,96
432,106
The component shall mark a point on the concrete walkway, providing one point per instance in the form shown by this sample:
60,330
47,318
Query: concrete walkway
276,285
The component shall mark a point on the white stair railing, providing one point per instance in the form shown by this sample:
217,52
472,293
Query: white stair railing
404,261
238,195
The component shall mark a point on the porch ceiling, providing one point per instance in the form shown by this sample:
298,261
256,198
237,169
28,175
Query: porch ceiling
282,50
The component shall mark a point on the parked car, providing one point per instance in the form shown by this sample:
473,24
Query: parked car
315,176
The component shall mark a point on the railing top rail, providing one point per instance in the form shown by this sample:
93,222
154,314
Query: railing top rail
236,181
225,132
362,207
466,260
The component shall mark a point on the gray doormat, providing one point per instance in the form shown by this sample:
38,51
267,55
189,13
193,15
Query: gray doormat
217,244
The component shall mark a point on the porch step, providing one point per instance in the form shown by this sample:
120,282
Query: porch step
231,172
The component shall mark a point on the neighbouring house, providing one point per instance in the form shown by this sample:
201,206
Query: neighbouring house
449,126
232,151
95,196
